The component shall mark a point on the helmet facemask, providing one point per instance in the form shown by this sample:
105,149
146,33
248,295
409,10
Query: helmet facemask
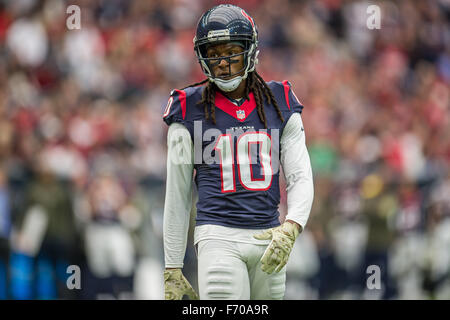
250,53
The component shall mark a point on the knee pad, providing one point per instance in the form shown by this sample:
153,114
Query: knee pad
219,281
277,285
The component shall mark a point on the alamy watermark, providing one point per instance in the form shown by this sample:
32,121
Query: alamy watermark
374,279
243,143
74,280
73,22
374,19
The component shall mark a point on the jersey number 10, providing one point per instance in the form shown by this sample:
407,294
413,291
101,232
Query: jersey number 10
244,161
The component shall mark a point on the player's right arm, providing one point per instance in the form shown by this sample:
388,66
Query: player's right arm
178,201
177,207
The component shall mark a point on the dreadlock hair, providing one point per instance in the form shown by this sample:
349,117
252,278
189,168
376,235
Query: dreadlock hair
255,84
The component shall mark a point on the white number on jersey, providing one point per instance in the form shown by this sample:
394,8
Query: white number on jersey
244,161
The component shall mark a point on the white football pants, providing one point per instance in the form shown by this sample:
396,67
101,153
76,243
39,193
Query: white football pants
232,270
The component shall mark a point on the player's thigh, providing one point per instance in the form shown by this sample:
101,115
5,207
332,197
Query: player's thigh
265,286
221,272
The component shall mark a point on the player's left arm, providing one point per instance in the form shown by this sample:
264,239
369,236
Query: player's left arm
300,193
297,171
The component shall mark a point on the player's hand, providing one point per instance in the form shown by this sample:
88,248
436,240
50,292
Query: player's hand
176,286
277,253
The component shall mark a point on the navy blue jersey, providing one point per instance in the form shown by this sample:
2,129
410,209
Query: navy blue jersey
236,160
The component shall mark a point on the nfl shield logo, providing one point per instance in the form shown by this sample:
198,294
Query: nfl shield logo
240,114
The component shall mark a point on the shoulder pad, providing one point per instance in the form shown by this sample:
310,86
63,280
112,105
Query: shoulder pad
284,89
175,110
181,105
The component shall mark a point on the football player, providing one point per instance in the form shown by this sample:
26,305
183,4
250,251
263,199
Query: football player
233,130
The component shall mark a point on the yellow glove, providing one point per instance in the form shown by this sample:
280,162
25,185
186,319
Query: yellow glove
277,253
176,286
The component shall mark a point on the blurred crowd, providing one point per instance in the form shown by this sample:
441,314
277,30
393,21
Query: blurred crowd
82,143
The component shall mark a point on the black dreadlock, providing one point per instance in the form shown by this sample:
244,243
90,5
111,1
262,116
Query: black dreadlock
255,84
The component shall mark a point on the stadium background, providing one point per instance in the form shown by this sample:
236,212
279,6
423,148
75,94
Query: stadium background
82,143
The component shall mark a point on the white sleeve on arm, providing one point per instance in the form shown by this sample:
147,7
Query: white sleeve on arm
297,171
178,201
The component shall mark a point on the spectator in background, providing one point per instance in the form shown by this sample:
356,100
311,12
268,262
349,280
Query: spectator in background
110,250
437,271
5,229
47,233
379,209
348,230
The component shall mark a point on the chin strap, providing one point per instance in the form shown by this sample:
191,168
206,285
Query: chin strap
228,85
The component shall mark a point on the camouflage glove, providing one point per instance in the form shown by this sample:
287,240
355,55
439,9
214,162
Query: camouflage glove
277,253
176,286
